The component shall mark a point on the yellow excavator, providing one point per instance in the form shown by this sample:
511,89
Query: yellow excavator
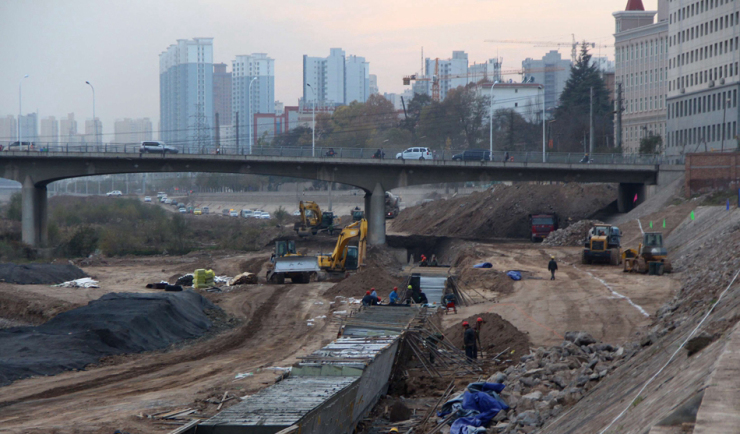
312,219
650,256
349,252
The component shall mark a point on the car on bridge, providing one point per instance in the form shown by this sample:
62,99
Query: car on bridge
18,146
473,155
157,148
415,154
114,193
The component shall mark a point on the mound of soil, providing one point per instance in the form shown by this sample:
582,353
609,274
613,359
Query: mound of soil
381,272
39,274
481,278
496,335
116,323
574,235
502,212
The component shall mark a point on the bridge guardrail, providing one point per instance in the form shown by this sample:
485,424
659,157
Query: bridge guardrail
363,153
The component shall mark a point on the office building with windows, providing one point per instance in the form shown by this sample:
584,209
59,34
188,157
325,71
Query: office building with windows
703,76
552,71
641,55
258,70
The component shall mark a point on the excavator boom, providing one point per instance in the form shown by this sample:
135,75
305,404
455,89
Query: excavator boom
346,256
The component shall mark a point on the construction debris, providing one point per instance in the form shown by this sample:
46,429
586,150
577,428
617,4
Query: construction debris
244,279
573,236
85,282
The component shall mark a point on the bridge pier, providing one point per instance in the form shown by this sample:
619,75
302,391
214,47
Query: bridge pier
35,219
375,212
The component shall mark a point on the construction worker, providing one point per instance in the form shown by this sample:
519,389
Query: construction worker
433,262
393,430
373,292
423,297
423,262
552,266
368,299
478,327
471,351
393,298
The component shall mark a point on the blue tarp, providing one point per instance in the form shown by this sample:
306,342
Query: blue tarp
483,265
475,407
514,275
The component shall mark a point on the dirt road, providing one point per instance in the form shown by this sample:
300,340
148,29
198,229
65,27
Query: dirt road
611,310
113,396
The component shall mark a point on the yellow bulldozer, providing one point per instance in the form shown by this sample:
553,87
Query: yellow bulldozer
649,257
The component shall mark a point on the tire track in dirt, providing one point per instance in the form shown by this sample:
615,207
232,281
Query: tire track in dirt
233,340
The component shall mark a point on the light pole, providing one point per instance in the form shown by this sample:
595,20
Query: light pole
724,126
544,155
490,121
313,121
95,122
250,114
20,111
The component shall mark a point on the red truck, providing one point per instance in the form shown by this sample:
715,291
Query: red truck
541,225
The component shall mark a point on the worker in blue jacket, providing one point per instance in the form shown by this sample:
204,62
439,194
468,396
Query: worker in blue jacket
393,298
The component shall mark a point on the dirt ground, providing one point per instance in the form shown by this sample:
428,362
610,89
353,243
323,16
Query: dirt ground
576,300
274,331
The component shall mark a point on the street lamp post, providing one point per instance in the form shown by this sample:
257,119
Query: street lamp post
313,121
544,139
250,115
20,113
95,122
490,121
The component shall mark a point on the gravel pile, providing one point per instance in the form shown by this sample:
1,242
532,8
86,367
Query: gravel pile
574,235
548,380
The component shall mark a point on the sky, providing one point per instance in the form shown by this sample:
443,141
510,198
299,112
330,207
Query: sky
115,45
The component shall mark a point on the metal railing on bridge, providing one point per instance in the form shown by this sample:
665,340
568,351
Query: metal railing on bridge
363,153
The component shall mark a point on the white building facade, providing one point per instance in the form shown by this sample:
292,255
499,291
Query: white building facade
49,130
523,98
641,55
259,70
703,76
8,130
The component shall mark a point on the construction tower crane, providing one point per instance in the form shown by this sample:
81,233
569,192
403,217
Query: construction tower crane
573,44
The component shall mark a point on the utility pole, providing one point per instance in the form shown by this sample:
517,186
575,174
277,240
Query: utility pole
238,151
218,133
619,115
591,125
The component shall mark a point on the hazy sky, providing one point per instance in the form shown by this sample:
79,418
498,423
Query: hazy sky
115,44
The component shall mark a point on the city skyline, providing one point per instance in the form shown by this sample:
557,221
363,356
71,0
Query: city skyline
117,48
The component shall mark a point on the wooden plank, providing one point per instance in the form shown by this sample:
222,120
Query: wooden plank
185,428
222,400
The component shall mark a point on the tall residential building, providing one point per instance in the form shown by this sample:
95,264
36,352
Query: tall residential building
246,69
641,53
29,127
186,93
8,130
374,84
703,76
132,130
357,79
93,132
452,73
222,93
490,70
552,71
49,131
68,129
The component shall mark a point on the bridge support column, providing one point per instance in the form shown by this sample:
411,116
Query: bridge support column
34,224
375,214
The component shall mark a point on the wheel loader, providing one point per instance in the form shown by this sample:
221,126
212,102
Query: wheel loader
649,254
602,245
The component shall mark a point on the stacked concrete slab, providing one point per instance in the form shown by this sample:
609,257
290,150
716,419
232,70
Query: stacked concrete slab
330,390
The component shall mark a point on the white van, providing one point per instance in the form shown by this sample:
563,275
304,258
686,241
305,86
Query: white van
247,213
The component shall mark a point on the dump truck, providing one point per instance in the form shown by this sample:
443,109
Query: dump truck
288,263
312,219
392,205
357,214
349,252
650,256
541,225
603,245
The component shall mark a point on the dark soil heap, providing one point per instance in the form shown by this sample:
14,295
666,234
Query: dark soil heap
496,335
116,323
503,212
39,274
379,272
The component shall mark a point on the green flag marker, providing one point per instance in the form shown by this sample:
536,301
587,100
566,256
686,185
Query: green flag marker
663,223
651,224
692,215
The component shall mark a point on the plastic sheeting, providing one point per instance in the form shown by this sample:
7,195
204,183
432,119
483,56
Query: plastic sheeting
475,408
483,265
514,275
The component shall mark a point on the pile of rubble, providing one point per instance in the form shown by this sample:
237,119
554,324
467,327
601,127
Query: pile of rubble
547,380
573,235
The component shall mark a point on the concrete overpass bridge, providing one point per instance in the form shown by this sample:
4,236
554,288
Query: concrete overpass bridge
35,170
